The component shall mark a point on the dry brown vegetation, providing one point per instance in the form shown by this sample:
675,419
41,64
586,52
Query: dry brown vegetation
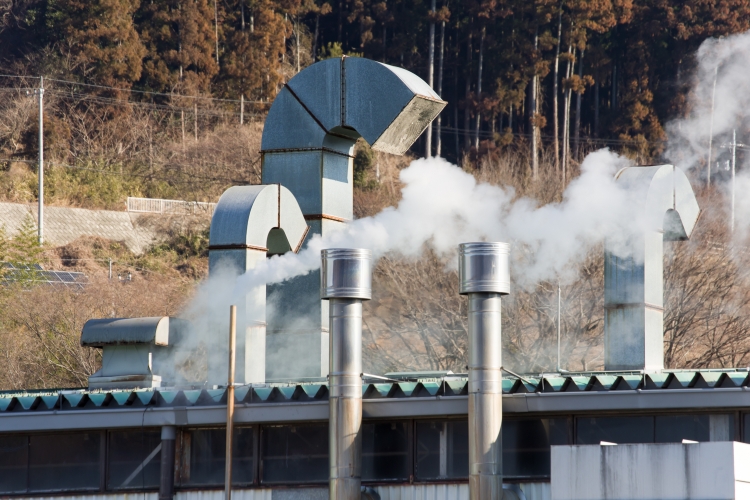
97,154
40,325
416,320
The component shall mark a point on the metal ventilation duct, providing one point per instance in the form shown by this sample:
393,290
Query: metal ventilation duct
484,276
250,223
345,283
307,146
634,285
134,350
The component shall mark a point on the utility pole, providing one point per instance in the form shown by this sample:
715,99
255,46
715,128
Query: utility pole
216,29
242,109
711,128
40,224
430,82
230,402
734,163
559,317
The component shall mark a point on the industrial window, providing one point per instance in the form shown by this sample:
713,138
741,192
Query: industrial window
442,449
621,430
526,445
14,455
294,453
385,451
65,462
655,429
204,455
134,459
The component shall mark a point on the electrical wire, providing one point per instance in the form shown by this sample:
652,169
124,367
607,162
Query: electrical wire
134,91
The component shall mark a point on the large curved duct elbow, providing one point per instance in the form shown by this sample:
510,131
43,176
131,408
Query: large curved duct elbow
307,146
256,218
634,285
250,223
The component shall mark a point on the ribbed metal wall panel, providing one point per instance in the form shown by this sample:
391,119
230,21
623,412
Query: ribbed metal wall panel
537,491
424,492
532,491
264,494
114,496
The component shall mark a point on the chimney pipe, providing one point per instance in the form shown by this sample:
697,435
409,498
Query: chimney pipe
345,282
483,276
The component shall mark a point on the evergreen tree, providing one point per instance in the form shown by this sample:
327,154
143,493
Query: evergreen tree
101,38
180,42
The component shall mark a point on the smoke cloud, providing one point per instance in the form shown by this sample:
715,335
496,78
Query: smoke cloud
443,206
719,104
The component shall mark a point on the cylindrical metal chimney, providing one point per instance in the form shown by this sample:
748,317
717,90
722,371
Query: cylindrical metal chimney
483,275
345,281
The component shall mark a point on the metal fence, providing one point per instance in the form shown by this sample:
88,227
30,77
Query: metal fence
157,206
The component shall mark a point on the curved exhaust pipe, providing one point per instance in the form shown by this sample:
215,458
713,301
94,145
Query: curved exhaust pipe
345,282
308,146
484,276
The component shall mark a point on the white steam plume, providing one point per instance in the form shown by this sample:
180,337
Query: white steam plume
724,63
443,206
719,104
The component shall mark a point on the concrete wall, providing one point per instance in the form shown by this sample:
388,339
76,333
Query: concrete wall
63,225
714,470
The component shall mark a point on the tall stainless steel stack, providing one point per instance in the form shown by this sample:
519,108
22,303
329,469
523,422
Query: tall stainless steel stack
484,276
345,281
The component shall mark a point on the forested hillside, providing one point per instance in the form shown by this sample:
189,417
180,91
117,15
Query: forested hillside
547,75
167,98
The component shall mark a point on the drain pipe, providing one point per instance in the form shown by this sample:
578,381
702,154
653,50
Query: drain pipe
345,282
166,479
483,276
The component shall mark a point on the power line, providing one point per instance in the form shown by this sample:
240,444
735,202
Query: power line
143,105
145,92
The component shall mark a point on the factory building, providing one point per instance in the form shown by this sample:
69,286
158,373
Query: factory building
307,422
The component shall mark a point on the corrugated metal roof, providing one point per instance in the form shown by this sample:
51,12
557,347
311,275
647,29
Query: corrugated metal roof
456,385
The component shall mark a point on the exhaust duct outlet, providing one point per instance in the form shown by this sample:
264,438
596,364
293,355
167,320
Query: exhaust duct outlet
345,282
308,147
634,285
484,276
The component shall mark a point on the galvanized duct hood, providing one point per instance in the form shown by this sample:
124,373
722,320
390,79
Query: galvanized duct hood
250,223
134,350
484,276
345,282
307,146
634,286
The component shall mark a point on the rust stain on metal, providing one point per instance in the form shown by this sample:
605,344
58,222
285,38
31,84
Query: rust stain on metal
302,240
304,150
325,216
237,246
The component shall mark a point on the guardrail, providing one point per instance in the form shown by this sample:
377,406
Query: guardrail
158,206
